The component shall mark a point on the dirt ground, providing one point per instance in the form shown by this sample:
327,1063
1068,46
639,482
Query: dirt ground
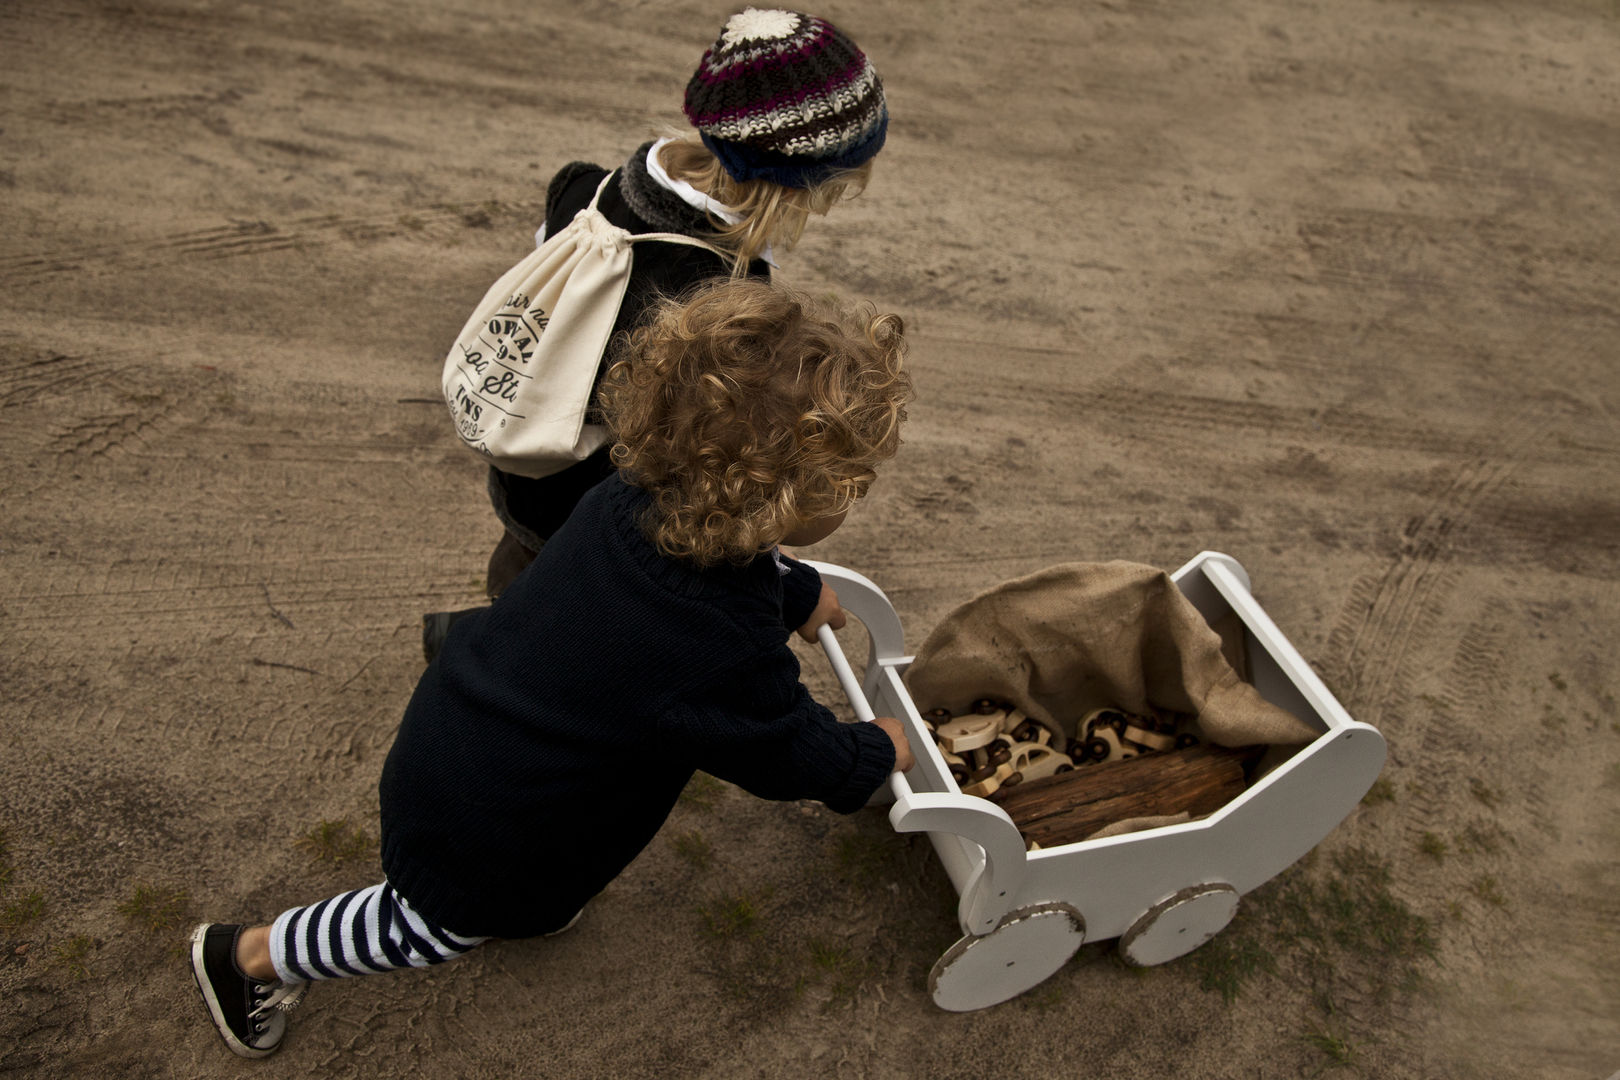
1331,287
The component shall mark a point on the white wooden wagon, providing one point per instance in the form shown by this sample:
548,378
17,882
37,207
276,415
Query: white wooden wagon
1161,892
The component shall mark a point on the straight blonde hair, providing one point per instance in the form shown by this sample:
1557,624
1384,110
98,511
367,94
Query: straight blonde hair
773,216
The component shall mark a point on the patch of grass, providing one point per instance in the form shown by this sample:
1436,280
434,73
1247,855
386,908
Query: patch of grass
837,963
335,841
1481,839
702,792
16,914
73,956
1485,887
1382,791
1226,962
1339,1051
1433,845
156,910
731,915
863,856
1346,928
1482,791
5,862
1557,681
1550,720
694,848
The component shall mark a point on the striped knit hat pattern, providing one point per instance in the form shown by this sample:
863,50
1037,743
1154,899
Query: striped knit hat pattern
786,97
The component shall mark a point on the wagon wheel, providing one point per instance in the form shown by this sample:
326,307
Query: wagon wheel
1027,947
1177,926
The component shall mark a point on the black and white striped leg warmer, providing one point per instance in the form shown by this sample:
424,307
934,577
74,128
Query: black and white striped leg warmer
363,932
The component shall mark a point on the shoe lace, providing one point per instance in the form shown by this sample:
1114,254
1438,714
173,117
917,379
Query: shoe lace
281,996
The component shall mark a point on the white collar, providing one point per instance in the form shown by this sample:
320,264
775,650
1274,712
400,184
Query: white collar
691,195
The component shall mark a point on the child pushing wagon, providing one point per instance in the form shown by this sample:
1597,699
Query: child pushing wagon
549,740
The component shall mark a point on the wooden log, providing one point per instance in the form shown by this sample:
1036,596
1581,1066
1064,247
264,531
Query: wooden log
1069,807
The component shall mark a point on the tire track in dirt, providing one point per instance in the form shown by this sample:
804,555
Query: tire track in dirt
1477,675
26,374
1135,408
1370,640
104,433
257,238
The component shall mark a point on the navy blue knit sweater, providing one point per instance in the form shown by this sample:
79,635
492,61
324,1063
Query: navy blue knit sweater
547,743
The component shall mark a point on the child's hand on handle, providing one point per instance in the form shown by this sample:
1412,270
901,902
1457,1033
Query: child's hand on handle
831,614
828,612
903,759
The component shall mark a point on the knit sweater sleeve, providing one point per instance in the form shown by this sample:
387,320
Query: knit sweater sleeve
801,592
759,728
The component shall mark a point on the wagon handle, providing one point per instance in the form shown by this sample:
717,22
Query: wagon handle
857,697
991,892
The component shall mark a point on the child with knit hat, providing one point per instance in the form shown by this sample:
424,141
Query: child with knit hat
544,748
789,114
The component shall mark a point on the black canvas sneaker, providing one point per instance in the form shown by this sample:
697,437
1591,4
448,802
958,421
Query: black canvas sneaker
249,1013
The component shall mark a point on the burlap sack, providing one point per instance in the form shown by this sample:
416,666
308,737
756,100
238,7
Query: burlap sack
1082,636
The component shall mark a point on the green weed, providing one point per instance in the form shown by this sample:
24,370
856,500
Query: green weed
1482,791
1227,962
1433,845
1557,681
731,916
1486,888
1339,1051
335,841
1481,839
702,792
694,848
863,856
1345,927
1382,791
20,912
73,955
156,910
837,963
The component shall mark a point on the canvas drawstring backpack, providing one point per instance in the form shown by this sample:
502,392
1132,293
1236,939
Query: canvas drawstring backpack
519,378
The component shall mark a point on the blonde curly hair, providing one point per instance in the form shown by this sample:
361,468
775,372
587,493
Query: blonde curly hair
747,410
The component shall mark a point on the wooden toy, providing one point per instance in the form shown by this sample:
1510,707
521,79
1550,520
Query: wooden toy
1148,740
1025,905
958,767
1035,761
1113,748
964,733
1030,731
986,782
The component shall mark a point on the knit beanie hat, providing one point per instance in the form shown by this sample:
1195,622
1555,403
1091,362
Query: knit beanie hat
786,97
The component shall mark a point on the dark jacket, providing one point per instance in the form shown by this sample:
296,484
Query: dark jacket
547,743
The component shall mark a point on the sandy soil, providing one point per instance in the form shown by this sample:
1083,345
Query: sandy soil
1333,288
